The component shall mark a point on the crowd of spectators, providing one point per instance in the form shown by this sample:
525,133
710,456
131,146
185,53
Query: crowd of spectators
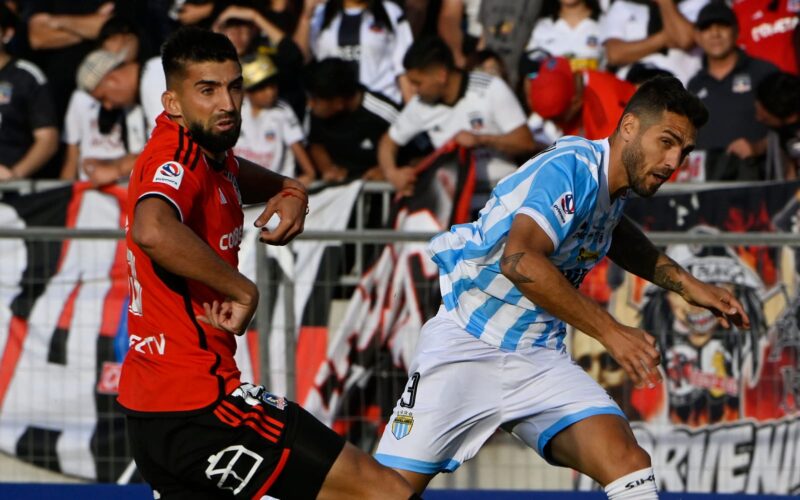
345,89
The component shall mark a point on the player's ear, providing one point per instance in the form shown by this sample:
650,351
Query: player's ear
171,104
629,127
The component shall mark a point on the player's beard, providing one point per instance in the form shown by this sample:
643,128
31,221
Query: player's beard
216,142
633,161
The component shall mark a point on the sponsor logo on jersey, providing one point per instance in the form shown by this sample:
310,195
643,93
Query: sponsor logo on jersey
402,424
231,240
148,345
233,467
564,208
170,173
777,27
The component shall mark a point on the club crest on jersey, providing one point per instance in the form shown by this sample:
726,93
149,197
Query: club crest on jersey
6,90
564,208
170,173
402,424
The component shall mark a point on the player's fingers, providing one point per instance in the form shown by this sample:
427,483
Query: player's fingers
739,315
207,317
265,215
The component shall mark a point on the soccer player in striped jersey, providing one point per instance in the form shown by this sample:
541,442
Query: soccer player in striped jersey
494,356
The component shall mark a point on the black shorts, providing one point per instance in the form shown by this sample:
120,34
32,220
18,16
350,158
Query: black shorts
252,444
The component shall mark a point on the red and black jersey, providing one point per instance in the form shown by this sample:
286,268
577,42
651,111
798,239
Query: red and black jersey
176,363
767,30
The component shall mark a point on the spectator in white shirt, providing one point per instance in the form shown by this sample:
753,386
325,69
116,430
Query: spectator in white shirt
570,29
373,34
475,109
656,32
271,135
102,145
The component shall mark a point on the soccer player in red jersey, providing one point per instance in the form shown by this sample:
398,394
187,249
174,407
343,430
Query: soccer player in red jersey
196,430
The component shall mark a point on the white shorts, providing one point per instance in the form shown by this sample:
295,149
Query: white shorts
461,390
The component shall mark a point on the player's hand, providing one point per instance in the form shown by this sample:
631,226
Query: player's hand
742,148
292,209
636,351
403,179
719,301
466,139
6,174
229,315
334,174
101,172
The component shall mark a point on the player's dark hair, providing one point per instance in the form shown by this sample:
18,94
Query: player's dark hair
779,93
427,52
552,9
194,45
331,78
375,7
666,93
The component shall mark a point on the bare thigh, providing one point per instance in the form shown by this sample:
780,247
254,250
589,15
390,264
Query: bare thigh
602,446
355,474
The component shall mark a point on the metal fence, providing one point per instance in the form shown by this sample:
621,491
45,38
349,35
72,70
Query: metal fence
503,464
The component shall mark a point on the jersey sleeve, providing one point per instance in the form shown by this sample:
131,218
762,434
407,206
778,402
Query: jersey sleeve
508,113
407,125
173,183
72,119
40,107
612,24
557,195
403,40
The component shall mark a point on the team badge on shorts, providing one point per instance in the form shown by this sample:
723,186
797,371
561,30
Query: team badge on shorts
401,427
273,400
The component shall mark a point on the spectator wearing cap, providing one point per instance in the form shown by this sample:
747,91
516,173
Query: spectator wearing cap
768,30
102,145
656,32
271,135
778,107
588,102
346,122
476,110
373,35
28,129
569,28
732,145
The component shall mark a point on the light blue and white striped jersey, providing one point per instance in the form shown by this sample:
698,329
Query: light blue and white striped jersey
565,190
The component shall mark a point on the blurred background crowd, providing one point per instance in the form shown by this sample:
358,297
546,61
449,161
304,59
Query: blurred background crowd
343,89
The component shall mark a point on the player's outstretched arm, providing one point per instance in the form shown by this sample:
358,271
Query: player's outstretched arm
284,196
632,251
526,263
172,245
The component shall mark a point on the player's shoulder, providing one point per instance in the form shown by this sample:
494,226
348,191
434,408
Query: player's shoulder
30,71
573,156
380,105
172,148
480,82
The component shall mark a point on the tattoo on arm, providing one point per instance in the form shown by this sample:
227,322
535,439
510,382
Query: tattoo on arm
663,276
509,266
